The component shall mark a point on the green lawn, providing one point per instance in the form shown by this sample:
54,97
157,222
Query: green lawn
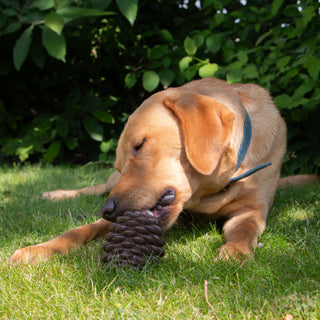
283,279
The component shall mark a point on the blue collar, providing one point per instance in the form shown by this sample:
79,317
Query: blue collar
247,133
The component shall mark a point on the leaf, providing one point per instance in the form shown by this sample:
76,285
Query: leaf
242,57
234,76
75,12
9,12
21,48
307,14
62,127
166,62
207,3
71,142
24,152
93,128
12,27
129,9
130,80
213,43
208,70
110,101
42,4
53,151
304,88
283,101
184,63
103,116
166,77
43,124
166,34
150,80
100,4
263,36
218,19
191,72
316,94
313,67
199,39
190,46
282,62
107,146
251,71
10,146
159,51
55,22
275,6
228,49
55,44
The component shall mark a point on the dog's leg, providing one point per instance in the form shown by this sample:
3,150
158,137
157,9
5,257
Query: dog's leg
241,235
94,190
64,243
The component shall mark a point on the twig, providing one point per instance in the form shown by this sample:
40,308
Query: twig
207,299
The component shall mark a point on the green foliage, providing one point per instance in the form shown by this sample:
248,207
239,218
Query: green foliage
21,48
129,49
51,24
129,9
83,115
150,80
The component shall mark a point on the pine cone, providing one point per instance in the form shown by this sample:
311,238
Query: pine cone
134,238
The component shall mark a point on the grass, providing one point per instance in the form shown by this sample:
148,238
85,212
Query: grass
189,283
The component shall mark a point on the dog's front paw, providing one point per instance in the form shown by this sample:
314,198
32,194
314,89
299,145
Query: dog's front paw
236,252
30,254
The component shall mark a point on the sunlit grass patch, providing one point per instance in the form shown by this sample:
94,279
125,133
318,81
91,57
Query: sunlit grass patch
188,283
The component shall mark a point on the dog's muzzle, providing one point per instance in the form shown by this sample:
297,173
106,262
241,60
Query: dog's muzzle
110,210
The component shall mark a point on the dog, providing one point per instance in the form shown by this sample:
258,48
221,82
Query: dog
207,147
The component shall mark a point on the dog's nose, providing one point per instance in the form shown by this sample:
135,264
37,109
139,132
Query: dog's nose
109,209
167,197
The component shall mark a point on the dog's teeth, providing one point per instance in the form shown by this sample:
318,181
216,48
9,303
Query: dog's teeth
149,212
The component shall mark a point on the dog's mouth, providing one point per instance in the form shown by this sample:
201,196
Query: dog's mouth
160,210
162,207
157,212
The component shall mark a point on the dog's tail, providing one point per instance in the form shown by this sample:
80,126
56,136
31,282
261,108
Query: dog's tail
302,179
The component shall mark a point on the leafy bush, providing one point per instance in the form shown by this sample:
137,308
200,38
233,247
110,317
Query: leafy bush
70,104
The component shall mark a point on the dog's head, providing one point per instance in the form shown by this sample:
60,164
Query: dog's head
172,143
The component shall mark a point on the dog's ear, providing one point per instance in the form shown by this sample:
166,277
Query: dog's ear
206,128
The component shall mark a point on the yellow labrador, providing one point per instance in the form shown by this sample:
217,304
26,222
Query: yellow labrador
207,147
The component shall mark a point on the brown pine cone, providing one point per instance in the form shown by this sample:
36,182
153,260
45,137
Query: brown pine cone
133,239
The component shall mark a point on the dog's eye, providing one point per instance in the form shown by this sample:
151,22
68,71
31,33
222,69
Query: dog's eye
138,146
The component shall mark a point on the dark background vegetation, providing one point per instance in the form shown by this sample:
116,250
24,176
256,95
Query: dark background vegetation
72,71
